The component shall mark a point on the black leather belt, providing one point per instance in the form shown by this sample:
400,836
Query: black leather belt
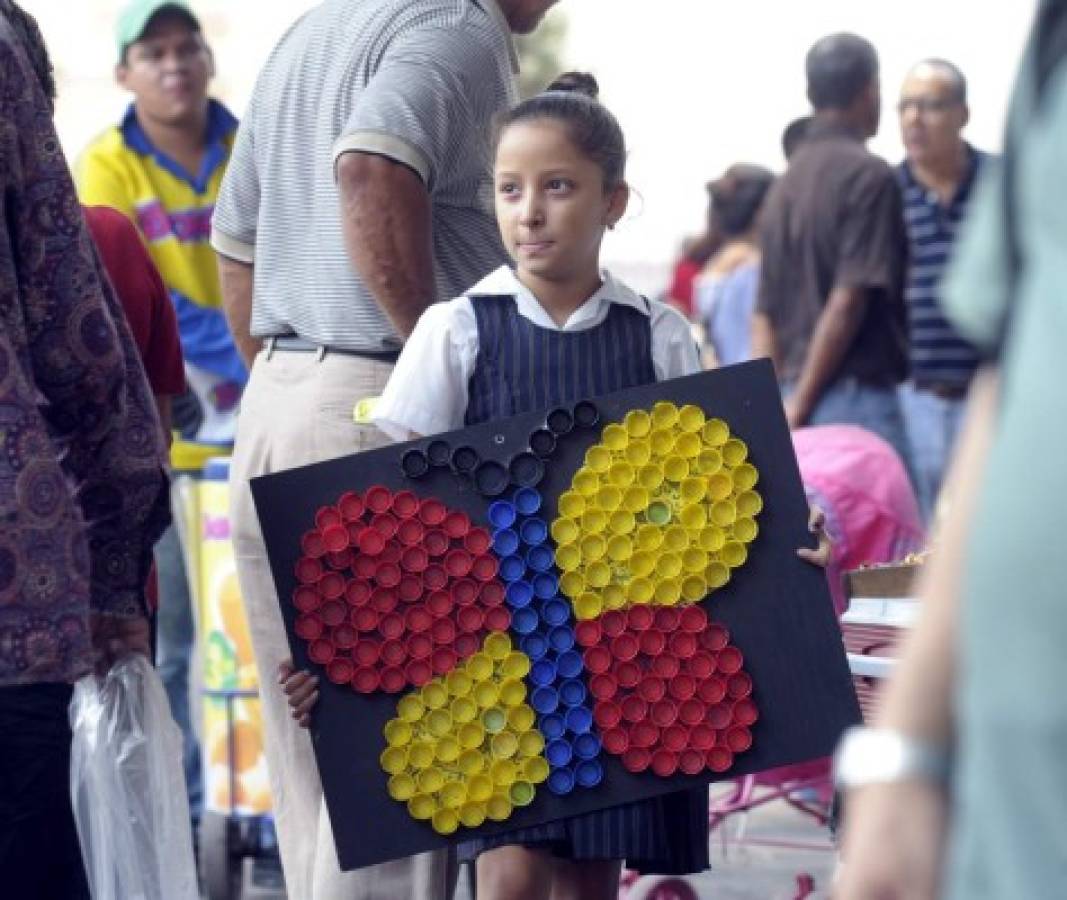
295,344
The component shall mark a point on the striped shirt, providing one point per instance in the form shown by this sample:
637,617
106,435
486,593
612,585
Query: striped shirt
419,82
939,356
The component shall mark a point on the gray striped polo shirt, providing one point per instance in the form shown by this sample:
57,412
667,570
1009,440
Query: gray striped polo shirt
419,81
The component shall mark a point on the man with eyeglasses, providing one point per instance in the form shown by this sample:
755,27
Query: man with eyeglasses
936,179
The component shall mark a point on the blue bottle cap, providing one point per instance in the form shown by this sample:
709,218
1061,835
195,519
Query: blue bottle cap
561,638
561,782
546,586
588,773
540,558
505,541
572,692
587,746
544,700
524,621
552,726
534,645
543,672
534,531
512,568
501,514
519,594
527,501
559,752
579,719
570,664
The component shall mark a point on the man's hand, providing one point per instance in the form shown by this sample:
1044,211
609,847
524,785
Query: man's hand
114,637
794,414
894,836
302,689
820,556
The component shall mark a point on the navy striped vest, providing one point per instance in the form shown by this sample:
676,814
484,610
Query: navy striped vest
522,367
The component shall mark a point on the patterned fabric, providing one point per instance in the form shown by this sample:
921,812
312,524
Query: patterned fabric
939,356
419,83
82,487
522,367
173,209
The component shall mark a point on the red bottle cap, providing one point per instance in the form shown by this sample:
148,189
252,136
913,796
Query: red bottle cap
675,738
597,659
410,588
414,559
492,594
439,603
331,586
358,592
308,570
432,512
411,532
434,578
682,686
683,644
306,599
312,545
693,619
464,592
634,709
470,619
418,672
652,689
344,636
466,645
405,504
384,600
664,713
636,759
477,541
616,741
484,568
340,671
443,631
624,647
393,653
390,554
388,575
371,543
456,524
603,686
326,517
719,716
497,619
691,712
418,619
607,715
366,653
350,506
355,529
628,674
436,542
738,739
667,618
587,632
385,524
365,566
321,651
419,646
664,763
365,618
340,560
391,626
613,623
714,637
392,680
643,734
711,689
333,613
702,736
365,680
443,660
308,627
745,712
691,761
652,642
666,665
739,685
719,759
729,660
458,563
378,499
640,617
335,538
701,664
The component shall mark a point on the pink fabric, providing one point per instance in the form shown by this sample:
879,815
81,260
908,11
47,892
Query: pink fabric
858,480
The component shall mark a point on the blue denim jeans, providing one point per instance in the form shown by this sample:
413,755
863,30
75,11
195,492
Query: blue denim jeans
175,638
933,424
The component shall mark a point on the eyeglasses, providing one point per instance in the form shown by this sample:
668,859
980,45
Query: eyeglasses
925,105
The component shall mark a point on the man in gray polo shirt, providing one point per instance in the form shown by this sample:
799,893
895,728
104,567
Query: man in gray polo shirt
359,192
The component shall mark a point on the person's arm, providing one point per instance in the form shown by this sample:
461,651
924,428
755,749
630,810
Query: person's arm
894,832
834,333
386,219
236,281
764,343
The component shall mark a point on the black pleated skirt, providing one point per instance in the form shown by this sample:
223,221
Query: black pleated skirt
666,835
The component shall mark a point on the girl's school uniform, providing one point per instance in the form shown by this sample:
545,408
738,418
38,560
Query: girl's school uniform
493,353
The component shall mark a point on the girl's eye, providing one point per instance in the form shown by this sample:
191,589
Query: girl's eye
507,188
559,184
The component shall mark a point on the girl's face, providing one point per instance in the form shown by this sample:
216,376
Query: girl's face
551,205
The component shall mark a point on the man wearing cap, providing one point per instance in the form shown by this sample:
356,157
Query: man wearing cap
161,166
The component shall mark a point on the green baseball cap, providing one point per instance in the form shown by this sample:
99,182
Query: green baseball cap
135,16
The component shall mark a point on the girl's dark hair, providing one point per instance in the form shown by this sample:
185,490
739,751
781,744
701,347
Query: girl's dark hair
572,100
29,36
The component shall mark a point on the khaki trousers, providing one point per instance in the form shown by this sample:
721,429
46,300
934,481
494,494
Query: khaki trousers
297,409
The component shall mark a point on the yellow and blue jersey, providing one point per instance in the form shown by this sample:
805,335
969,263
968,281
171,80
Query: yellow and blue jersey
172,208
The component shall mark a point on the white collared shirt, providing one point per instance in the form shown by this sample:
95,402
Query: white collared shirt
427,392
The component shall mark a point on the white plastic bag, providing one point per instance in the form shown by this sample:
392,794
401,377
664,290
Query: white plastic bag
128,787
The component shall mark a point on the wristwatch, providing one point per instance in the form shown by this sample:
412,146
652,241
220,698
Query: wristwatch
883,756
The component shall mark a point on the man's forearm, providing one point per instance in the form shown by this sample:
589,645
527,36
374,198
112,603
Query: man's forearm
834,332
236,280
386,217
764,342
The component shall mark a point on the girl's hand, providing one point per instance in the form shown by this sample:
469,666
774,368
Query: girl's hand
820,556
302,688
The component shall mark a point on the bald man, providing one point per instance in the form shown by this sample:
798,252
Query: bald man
936,180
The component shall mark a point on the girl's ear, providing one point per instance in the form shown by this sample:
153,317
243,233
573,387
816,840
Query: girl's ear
618,198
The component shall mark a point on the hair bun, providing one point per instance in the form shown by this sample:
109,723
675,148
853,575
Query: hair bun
576,83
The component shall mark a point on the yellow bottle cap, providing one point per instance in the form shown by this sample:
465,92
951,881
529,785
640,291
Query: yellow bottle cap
691,418
512,692
594,521
401,787
598,458
620,548
745,477
650,476
410,708
564,530
694,561
715,432
445,821
675,467
642,563
588,605
521,718
471,762
598,574
471,735
453,795
720,486
734,452
486,693
535,769
494,719
712,539
668,591
688,445
694,588
439,721
693,488
447,749
435,694
593,547
421,807
635,499
458,683
745,530
621,475
480,666
608,498
615,437
641,590
394,760
498,808
480,788
723,513
709,461
515,665
749,504
614,595
504,771
664,414
568,558
521,793
431,780
637,422
497,645
586,483
622,521
716,575
669,565
694,516
505,745
572,584
676,538
421,755
648,537
638,453
472,814
571,504
733,554
397,733
531,743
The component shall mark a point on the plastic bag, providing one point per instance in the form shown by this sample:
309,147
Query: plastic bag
128,787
